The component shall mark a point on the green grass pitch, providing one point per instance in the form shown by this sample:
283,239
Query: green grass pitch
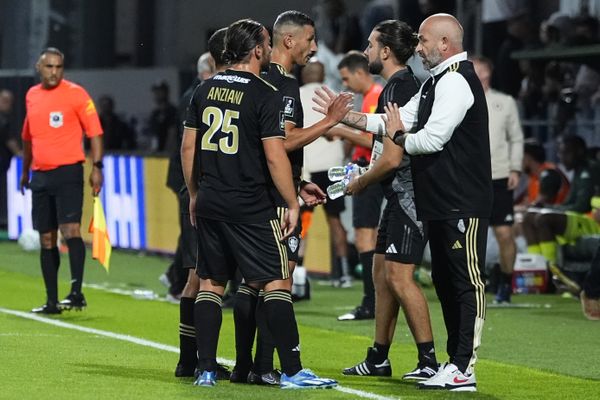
546,351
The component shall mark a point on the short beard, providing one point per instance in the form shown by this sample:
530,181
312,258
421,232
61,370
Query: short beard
376,67
264,64
434,59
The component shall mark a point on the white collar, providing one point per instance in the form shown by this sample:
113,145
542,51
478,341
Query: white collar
447,62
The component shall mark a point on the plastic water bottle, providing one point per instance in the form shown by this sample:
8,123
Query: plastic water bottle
338,189
336,174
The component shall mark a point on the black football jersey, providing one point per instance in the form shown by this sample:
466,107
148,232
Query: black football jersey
234,112
291,112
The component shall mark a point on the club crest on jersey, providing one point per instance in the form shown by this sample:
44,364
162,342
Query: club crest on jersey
288,109
56,119
461,225
293,243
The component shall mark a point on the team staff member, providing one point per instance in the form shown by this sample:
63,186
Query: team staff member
228,168
294,43
506,150
366,206
59,112
451,168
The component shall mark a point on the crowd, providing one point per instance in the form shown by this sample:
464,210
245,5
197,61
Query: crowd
445,158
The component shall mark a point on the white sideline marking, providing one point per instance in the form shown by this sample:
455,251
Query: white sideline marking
159,346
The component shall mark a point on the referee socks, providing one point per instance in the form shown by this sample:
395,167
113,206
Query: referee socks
282,324
244,317
50,261
207,320
76,260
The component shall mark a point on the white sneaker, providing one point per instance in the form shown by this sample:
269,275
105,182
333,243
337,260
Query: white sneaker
346,282
449,377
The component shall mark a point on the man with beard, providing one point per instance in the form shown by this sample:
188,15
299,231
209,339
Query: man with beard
293,44
228,172
401,238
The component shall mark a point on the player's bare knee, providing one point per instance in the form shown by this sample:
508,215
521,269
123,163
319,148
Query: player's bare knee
70,231
48,240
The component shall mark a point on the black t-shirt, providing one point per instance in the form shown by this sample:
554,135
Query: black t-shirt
233,112
291,112
400,88
5,136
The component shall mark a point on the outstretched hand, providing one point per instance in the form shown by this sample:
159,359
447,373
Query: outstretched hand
340,106
392,120
323,99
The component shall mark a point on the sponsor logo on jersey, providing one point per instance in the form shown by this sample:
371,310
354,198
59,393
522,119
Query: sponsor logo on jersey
456,245
391,249
231,78
288,104
56,119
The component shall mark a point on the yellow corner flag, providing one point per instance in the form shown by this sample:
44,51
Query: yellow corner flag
101,247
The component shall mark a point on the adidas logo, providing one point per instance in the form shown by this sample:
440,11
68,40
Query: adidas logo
509,218
391,249
297,348
456,245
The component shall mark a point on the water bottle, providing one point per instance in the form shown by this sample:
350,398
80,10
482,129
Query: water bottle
336,174
338,189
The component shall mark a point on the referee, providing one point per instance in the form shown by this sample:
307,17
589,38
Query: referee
58,114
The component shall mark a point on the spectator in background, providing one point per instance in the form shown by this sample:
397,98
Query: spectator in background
9,147
163,120
547,228
366,206
541,173
506,149
590,295
508,76
118,135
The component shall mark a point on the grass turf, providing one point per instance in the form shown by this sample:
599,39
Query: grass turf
546,351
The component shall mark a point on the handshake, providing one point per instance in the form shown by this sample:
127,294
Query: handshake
342,176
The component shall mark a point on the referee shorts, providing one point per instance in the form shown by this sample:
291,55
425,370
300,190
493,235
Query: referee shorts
57,197
399,238
255,249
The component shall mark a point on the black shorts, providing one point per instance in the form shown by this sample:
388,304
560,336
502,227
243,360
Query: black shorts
189,237
366,207
502,208
292,243
255,249
332,207
57,197
399,238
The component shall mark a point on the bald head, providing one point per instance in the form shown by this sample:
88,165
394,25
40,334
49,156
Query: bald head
314,71
440,37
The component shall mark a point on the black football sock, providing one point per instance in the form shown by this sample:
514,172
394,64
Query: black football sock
49,265
207,320
244,317
379,354
282,324
366,259
265,344
427,355
187,333
76,259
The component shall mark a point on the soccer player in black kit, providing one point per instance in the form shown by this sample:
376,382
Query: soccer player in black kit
238,153
294,43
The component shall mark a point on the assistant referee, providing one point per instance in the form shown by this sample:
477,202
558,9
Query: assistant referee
58,114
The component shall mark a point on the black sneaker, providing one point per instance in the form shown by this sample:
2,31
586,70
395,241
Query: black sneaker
270,378
367,368
420,373
223,373
359,313
239,375
185,371
73,301
48,308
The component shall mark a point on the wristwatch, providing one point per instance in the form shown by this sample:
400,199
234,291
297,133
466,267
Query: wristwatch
99,164
400,138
